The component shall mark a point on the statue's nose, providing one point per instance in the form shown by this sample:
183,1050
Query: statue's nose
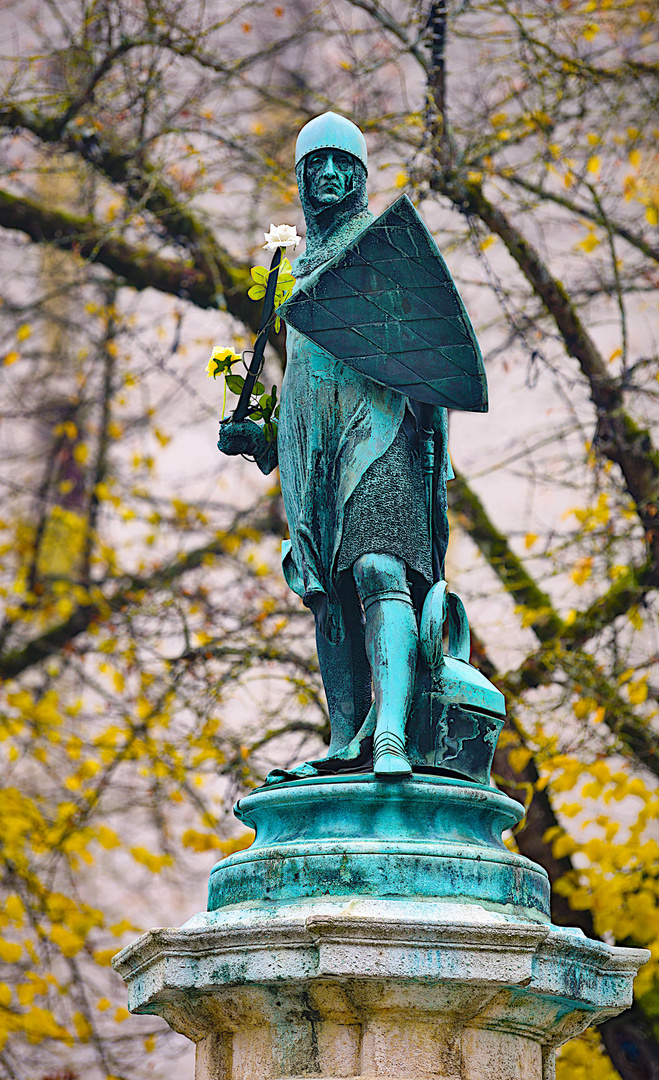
330,168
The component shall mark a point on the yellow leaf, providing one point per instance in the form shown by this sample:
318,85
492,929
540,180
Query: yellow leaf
103,1005
593,164
563,845
590,31
519,757
200,841
154,863
107,838
26,993
11,358
82,1026
635,158
10,952
401,180
103,957
80,453
68,943
498,119
638,691
23,332
237,843
583,708
614,355
40,1024
121,927
259,275
590,242
652,214
582,571
530,539
121,1015
14,909
486,242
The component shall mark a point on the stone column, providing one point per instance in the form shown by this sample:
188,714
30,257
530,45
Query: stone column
411,944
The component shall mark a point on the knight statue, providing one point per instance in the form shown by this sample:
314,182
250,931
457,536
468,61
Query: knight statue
378,345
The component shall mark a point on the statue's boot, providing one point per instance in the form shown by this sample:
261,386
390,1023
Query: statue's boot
392,643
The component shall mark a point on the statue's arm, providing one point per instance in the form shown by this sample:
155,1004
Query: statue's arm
246,437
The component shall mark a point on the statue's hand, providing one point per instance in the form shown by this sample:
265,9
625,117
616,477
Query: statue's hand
240,437
246,437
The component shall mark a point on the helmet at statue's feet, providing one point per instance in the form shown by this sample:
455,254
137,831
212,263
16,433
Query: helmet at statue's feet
389,757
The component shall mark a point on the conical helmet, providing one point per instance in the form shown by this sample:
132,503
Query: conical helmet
331,132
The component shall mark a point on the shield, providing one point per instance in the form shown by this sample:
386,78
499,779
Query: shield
388,307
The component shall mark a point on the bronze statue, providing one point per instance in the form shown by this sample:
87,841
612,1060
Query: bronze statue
378,343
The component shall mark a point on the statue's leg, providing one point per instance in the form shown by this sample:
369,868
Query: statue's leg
392,643
336,670
346,673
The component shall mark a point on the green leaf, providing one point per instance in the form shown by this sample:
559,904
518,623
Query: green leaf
257,292
235,383
259,274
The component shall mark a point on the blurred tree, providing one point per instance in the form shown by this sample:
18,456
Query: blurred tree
153,663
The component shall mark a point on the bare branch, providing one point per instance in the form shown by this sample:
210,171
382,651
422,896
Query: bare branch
618,436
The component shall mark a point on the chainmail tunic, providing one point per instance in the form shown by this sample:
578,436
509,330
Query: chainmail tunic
387,512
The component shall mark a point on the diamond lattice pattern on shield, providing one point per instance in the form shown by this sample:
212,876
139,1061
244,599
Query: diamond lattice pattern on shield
388,307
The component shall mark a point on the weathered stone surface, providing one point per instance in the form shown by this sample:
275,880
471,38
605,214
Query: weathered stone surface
499,1055
375,988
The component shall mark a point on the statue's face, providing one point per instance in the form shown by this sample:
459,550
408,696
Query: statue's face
329,175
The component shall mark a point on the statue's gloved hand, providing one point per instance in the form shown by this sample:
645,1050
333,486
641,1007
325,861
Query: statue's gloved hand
246,437
240,437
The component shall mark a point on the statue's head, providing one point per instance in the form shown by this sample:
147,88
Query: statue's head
330,161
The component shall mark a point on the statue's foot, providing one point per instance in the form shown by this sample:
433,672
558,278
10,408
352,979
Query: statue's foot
389,757
298,772
355,755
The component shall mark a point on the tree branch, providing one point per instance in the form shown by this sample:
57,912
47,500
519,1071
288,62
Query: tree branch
561,643
635,239
214,277
618,436
139,267
128,594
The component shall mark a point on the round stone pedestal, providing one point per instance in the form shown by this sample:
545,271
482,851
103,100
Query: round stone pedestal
367,988
357,835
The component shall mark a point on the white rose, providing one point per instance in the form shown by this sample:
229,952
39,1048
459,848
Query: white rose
283,236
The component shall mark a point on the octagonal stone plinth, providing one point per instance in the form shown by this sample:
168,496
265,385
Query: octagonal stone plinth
365,988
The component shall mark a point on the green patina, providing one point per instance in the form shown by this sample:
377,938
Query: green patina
379,345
